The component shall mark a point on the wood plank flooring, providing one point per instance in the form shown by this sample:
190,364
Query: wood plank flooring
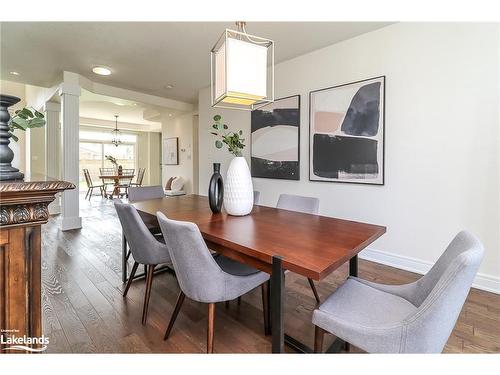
84,311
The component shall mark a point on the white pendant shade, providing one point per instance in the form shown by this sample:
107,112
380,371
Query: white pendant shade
242,71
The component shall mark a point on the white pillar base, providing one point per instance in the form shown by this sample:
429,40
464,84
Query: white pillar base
55,207
69,223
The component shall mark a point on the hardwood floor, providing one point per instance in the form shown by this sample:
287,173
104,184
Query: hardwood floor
84,311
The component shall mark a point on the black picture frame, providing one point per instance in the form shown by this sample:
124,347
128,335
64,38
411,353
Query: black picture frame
383,78
297,178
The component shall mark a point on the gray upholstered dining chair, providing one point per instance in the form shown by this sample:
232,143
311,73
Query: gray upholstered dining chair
146,249
412,318
308,205
143,193
206,278
256,197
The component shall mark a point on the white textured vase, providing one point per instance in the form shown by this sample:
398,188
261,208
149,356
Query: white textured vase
238,188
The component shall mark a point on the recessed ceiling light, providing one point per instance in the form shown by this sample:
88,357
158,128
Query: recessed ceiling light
169,115
101,70
14,73
169,86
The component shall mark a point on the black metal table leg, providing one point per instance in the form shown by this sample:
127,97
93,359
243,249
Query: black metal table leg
277,306
353,266
124,258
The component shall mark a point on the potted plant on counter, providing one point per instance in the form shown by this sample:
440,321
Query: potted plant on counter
238,187
22,119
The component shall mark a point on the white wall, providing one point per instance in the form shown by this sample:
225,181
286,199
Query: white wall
441,148
183,127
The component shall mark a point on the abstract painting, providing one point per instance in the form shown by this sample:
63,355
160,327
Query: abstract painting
346,133
276,139
171,151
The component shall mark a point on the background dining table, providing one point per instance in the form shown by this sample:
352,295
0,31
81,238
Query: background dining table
116,181
274,240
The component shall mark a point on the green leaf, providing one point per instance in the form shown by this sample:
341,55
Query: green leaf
13,137
214,126
22,115
220,127
13,124
217,117
218,144
22,123
39,114
26,112
225,126
36,122
214,133
241,132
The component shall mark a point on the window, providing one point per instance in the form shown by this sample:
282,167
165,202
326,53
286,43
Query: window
95,145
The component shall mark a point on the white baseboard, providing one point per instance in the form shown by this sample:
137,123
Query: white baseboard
69,223
482,281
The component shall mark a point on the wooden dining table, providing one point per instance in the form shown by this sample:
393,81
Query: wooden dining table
117,182
274,240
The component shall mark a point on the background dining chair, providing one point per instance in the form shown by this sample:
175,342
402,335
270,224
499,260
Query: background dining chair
145,248
256,197
308,205
204,278
412,318
128,175
144,193
140,177
107,182
91,185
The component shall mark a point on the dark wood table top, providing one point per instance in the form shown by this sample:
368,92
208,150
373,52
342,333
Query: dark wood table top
310,245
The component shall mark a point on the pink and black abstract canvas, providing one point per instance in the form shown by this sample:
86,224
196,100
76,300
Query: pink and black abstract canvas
347,133
275,139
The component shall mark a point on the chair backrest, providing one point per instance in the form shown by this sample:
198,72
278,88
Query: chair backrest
308,205
256,197
140,176
199,276
144,247
88,180
441,293
128,172
107,171
143,193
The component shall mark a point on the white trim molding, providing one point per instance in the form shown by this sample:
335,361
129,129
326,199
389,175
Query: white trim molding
482,281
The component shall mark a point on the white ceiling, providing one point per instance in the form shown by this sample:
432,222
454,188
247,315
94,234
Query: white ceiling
103,107
146,57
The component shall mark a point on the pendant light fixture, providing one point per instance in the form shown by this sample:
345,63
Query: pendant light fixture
116,140
242,70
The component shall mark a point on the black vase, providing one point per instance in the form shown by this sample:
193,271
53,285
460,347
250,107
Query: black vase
216,190
7,171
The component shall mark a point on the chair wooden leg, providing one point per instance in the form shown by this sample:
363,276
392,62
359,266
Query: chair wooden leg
239,300
130,278
177,308
211,325
315,291
149,283
319,333
265,307
86,195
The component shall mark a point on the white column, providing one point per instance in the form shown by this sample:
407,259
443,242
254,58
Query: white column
52,111
70,108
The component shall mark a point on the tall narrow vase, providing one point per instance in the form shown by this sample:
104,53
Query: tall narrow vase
238,188
216,190
7,171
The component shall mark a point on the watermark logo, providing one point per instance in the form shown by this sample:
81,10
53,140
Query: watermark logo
11,342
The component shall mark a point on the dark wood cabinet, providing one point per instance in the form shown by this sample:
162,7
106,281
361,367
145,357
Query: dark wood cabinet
23,209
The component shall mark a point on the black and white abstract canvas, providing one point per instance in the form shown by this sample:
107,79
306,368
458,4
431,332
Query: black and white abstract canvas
275,139
347,133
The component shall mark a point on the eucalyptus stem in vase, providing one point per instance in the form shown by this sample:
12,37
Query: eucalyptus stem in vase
238,187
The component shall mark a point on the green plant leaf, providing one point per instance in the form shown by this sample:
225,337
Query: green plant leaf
39,114
26,112
215,126
220,127
13,137
218,144
241,132
14,125
214,133
36,122
21,122
217,117
225,126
